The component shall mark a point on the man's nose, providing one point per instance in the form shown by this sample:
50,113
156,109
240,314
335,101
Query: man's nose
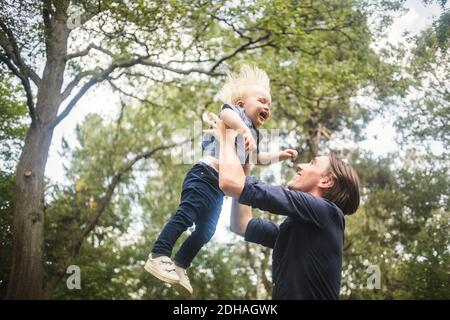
300,166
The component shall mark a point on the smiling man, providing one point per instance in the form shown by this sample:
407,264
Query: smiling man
308,244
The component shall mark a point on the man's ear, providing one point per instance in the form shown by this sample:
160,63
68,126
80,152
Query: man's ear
326,182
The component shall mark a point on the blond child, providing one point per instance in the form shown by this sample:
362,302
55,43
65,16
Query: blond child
246,108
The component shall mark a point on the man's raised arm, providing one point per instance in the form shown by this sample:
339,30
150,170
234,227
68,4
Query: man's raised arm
231,174
240,214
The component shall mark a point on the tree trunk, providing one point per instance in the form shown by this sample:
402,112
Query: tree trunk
26,277
27,270
312,139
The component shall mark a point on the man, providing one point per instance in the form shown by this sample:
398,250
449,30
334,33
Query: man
308,245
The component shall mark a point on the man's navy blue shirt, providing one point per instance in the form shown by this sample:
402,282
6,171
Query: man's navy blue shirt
307,246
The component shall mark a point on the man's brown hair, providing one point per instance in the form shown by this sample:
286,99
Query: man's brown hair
345,190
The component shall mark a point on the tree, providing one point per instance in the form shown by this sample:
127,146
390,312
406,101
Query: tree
426,114
13,114
119,272
120,36
402,229
405,195
12,121
317,53
319,60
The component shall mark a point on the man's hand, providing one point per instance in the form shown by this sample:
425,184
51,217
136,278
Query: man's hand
219,129
249,141
231,174
288,154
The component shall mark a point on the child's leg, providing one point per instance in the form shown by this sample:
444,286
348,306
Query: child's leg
183,219
204,230
196,198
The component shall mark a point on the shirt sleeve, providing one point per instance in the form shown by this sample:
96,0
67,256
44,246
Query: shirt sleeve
235,109
240,149
280,200
262,232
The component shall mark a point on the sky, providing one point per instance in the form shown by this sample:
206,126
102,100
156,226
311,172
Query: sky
380,133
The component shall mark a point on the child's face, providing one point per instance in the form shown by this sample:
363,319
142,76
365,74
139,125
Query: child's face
256,103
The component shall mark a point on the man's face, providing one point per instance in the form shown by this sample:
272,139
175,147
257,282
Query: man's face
310,176
256,103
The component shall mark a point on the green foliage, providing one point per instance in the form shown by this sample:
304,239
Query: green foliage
423,274
124,175
402,228
6,201
426,116
13,122
403,224
12,133
319,58
311,90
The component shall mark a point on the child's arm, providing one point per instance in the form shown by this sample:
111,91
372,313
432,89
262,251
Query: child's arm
247,168
233,121
266,158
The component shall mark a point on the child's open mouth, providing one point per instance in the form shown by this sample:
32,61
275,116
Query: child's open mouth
263,115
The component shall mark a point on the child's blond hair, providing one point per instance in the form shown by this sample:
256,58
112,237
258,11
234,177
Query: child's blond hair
234,88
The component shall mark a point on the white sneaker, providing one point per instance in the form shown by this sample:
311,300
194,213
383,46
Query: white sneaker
184,279
162,268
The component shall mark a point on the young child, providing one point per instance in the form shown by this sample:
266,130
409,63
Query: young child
247,107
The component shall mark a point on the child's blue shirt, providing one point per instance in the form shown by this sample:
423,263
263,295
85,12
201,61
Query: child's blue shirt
210,145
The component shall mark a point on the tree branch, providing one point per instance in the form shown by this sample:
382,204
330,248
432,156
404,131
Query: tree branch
81,53
209,72
232,26
68,90
115,181
99,77
246,46
26,86
144,101
141,60
91,11
104,202
9,44
94,80
87,50
264,263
